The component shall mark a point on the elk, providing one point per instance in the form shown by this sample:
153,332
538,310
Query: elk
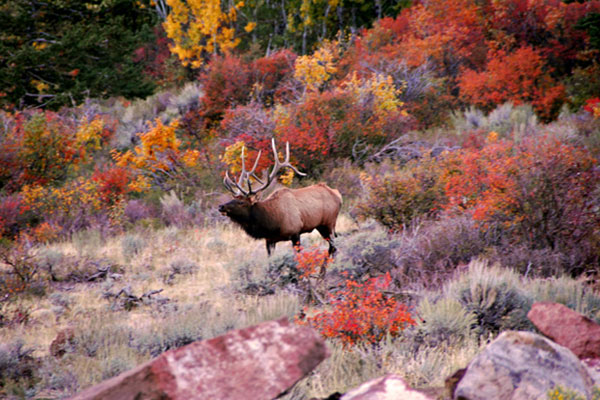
286,213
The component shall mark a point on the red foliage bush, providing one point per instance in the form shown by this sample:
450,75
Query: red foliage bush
362,313
329,124
520,76
113,184
10,210
37,148
316,127
227,82
313,261
269,72
542,191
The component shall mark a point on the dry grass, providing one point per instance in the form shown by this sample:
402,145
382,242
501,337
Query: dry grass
198,270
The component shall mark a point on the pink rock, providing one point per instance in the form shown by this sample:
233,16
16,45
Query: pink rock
568,328
389,387
260,362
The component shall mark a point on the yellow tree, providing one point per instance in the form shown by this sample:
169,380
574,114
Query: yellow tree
199,28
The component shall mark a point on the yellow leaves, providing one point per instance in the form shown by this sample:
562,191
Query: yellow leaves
232,157
250,26
492,137
89,136
76,196
314,71
159,146
139,184
190,158
39,45
201,27
379,89
287,177
40,86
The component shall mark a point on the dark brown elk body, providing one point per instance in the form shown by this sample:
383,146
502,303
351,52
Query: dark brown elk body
285,214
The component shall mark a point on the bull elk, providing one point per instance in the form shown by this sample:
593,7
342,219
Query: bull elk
286,213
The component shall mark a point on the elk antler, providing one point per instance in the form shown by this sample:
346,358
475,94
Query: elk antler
246,175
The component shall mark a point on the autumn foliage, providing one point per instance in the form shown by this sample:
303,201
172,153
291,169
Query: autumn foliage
541,190
519,77
362,313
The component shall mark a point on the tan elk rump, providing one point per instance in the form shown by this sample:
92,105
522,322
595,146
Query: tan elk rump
285,214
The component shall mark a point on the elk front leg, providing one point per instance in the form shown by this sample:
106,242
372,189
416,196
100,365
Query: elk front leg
270,247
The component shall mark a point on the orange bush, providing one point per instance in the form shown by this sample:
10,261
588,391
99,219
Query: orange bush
362,313
311,262
518,77
542,190
159,159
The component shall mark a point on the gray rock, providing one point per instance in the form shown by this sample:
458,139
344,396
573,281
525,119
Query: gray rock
522,366
389,387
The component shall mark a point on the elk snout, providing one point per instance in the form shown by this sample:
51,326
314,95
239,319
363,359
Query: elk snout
222,209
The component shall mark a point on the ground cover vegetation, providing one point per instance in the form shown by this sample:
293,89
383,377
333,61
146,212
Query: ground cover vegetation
463,135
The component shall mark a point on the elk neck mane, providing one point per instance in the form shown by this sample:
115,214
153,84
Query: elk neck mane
264,216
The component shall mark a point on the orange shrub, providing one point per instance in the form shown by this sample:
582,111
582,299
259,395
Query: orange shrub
311,262
520,76
159,159
543,191
362,313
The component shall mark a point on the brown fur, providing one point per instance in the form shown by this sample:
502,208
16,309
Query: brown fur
288,213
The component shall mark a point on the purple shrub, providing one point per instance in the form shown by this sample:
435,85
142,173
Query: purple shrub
136,210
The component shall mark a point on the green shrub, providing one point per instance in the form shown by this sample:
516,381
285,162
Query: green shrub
494,295
180,266
396,196
18,368
444,320
183,326
369,251
98,335
132,245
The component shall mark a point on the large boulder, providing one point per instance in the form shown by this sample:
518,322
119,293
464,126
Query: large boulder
389,387
260,362
568,328
522,366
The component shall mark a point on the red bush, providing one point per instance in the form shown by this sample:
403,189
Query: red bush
362,313
541,190
227,82
269,72
113,184
520,76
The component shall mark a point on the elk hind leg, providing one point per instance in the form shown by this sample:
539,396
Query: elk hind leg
325,231
296,242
